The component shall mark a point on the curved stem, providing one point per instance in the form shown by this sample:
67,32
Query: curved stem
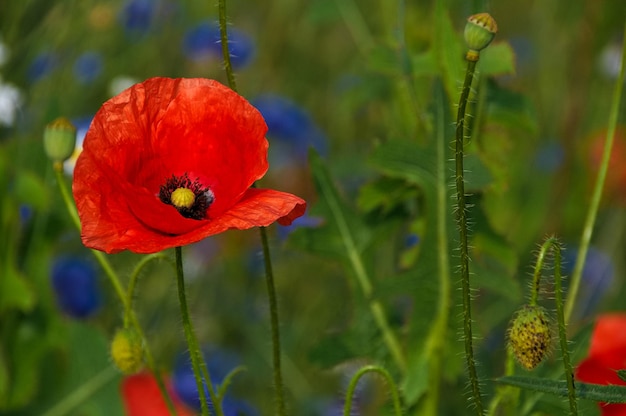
197,361
132,283
552,244
597,189
395,396
461,219
117,286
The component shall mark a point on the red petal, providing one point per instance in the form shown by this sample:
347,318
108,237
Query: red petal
142,397
164,127
609,334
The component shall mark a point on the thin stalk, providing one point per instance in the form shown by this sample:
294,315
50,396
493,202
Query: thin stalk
117,286
552,244
197,361
269,274
132,283
393,389
597,189
461,219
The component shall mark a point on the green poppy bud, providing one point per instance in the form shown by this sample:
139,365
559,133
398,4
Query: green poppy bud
529,336
479,32
127,351
59,140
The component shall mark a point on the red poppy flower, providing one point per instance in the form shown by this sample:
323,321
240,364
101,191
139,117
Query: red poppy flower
169,162
607,354
142,397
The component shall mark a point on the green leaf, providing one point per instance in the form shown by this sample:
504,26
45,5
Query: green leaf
448,50
595,392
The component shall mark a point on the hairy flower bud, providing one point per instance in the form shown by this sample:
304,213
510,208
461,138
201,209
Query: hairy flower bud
529,336
59,140
127,351
479,32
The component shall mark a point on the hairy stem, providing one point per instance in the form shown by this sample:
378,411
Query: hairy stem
393,389
197,361
461,220
269,274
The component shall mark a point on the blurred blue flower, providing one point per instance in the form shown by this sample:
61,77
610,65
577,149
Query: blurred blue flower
219,363
411,240
203,42
88,67
235,407
597,277
550,157
136,15
290,125
75,285
26,213
41,66
304,221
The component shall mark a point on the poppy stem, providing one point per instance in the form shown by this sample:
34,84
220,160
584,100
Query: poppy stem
271,294
228,67
200,370
117,286
552,244
461,220
597,189
269,274
393,389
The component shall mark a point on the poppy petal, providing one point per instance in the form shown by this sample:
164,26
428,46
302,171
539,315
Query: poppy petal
142,397
167,127
609,334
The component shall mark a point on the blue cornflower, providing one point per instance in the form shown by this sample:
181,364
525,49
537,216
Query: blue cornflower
235,407
136,15
88,67
597,277
219,363
41,66
75,286
203,42
290,125
550,157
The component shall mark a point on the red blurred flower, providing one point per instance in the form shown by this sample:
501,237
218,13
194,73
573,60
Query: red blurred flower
607,353
615,184
169,162
142,397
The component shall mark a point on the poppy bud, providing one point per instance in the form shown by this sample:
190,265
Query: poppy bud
127,351
529,336
59,140
479,32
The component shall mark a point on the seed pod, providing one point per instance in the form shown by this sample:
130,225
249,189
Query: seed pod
529,336
59,139
480,30
127,351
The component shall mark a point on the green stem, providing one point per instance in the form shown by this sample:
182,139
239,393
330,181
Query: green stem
269,274
560,316
117,286
395,396
461,219
271,294
132,283
228,67
197,361
597,190
552,245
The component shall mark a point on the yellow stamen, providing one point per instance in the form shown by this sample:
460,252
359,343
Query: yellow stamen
183,198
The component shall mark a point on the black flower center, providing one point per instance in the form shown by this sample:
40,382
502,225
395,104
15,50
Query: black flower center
189,197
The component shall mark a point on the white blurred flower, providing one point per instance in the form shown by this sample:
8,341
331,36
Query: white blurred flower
610,59
10,102
120,83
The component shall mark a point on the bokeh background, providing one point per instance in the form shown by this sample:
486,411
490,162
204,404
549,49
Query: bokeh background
357,81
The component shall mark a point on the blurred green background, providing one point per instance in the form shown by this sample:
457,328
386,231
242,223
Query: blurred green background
371,86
